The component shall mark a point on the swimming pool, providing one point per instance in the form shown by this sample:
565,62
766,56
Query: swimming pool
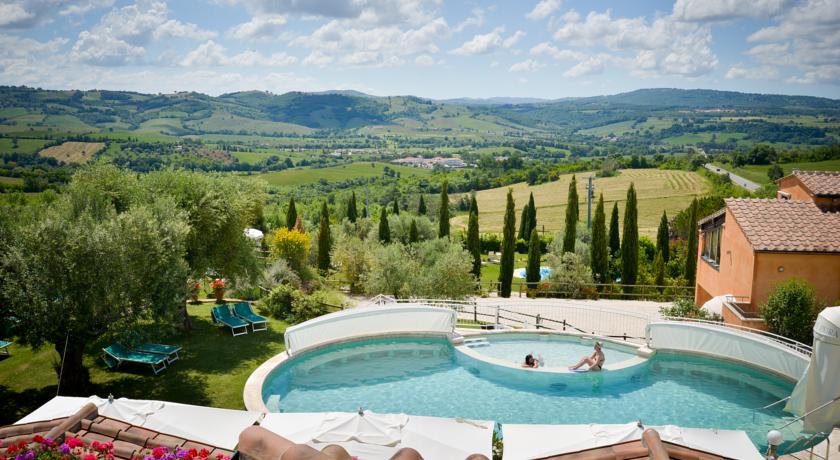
429,377
555,350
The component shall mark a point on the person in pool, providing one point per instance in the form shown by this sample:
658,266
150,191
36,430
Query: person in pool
530,361
595,362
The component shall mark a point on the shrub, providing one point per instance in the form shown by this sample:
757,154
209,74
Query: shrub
353,258
686,308
308,306
279,272
278,302
569,275
791,310
292,245
449,276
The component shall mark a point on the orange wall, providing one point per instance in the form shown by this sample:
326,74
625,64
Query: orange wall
822,271
794,187
735,274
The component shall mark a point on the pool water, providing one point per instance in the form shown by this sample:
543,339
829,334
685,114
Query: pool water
555,350
429,377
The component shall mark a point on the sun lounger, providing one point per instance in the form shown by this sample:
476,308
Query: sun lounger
170,351
221,314
4,347
117,354
243,310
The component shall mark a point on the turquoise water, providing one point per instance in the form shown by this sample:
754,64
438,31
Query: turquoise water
555,350
429,377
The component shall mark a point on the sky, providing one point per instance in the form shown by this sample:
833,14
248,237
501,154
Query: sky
429,48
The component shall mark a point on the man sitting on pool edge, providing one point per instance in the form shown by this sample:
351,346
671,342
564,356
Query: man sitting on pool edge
531,362
595,362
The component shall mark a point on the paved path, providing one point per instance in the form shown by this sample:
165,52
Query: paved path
747,184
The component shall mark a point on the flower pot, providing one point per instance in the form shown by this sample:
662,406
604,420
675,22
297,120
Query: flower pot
220,294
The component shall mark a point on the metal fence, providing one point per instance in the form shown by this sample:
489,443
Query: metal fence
583,319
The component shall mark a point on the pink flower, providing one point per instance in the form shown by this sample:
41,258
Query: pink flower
74,442
89,456
158,452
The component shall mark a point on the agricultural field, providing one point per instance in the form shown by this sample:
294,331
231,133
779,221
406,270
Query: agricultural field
694,138
73,152
758,173
657,190
11,180
293,177
221,121
23,145
621,128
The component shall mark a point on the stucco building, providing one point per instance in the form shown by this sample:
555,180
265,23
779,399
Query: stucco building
751,245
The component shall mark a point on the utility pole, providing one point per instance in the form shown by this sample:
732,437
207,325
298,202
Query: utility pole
590,193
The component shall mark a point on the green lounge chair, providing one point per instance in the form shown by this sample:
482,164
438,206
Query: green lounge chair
243,310
170,351
117,354
221,314
4,347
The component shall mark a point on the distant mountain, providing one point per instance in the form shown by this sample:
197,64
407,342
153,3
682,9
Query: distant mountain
706,98
492,101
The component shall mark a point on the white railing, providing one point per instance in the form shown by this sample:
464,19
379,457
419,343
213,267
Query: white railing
798,347
570,318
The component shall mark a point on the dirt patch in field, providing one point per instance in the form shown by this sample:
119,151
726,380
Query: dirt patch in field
73,152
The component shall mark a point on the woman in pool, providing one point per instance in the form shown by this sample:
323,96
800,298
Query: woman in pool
530,361
595,362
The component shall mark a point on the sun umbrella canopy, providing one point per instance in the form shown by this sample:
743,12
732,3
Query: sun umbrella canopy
253,234
364,426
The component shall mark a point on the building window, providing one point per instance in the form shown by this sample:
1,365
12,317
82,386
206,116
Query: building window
711,245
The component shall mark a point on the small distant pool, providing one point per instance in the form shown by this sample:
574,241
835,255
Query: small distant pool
545,272
430,377
555,350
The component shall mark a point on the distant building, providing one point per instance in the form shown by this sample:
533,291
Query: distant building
430,163
751,245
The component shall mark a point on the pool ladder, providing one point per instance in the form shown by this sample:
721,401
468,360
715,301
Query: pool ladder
476,342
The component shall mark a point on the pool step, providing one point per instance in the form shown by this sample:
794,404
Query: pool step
476,342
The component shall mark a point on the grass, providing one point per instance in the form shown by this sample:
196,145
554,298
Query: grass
73,152
11,180
23,145
335,173
657,190
221,121
212,371
758,173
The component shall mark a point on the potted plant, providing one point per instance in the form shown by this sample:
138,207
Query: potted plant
193,288
218,286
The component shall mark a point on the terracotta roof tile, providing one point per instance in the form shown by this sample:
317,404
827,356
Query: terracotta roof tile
820,183
786,226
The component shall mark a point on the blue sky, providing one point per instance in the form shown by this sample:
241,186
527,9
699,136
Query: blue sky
429,48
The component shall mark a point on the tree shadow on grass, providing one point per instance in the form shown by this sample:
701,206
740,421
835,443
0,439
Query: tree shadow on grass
14,405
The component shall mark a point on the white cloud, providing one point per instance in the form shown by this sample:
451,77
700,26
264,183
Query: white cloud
263,26
424,60
543,9
590,66
80,7
722,10
548,49
476,19
212,54
738,72
528,65
807,37
20,47
122,33
11,13
665,46
371,12
488,43
318,59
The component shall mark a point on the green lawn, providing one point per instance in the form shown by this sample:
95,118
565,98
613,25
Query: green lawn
11,180
335,173
758,173
212,371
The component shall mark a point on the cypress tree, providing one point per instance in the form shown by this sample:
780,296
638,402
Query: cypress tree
412,232
365,212
523,224
324,239
615,239
662,239
396,207
630,241
474,204
691,254
443,224
508,247
659,269
572,216
291,214
384,230
421,209
474,244
532,214
598,249
352,213
532,272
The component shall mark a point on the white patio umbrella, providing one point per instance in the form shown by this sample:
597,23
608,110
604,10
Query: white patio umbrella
433,437
715,304
253,234
820,385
